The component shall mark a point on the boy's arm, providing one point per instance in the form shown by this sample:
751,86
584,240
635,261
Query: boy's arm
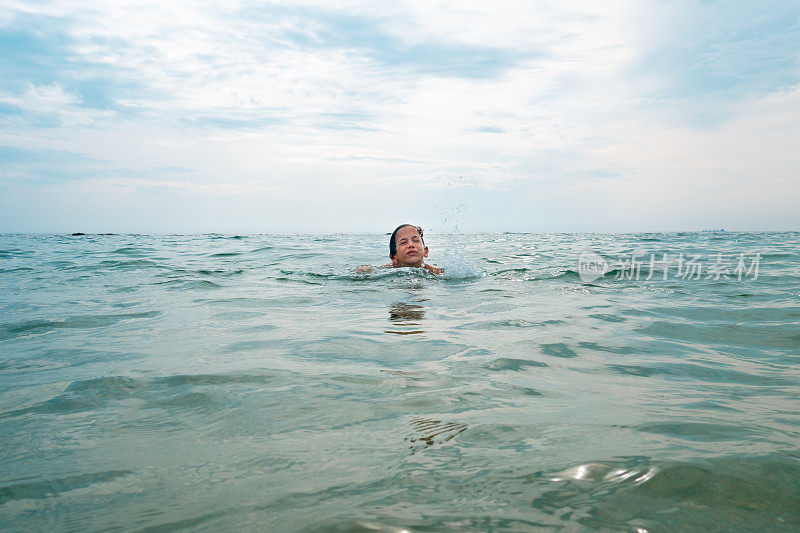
426,266
435,270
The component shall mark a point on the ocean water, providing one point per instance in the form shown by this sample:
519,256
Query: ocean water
256,382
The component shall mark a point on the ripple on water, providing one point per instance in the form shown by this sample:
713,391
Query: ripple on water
621,350
214,379
261,249
177,391
132,251
250,346
731,493
189,284
700,431
17,269
82,396
692,372
781,337
133,264
54,358
509,323
558,349
56,486
514,365
607,317
31,327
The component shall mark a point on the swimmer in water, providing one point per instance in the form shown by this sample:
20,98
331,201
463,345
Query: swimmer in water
406,249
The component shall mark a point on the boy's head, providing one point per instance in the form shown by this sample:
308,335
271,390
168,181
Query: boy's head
406,247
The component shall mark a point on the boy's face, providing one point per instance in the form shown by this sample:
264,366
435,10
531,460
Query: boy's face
410,249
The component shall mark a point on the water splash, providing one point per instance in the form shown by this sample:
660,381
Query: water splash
457,266
452,204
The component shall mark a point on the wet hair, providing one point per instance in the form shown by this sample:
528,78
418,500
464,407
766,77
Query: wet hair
392,239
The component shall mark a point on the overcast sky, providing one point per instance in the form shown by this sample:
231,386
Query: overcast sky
638,115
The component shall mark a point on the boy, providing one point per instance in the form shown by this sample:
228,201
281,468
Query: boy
406,249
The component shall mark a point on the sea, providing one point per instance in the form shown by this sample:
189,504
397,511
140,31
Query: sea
545,382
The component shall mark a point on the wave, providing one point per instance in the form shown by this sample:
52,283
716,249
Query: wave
217,236
745,493
220,272
131,251
189,285
537,274
17,269
514,365
694,373
37,326
700,431
133,264
261,249
213,379
53,487
89,395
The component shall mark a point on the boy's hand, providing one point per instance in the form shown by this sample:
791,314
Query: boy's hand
435,270
364,268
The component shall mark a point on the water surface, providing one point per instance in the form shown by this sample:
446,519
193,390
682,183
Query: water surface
221,382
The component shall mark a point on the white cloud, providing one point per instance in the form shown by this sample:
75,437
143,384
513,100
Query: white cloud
344,103
41,99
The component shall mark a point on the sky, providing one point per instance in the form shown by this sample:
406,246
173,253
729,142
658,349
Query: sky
349,116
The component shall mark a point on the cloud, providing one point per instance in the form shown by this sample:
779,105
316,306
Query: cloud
45,50
11,155
43,166
725,48
555,107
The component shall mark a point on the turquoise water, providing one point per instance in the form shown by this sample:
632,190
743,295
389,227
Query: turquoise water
226,383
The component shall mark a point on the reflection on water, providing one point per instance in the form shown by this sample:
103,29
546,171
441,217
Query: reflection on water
406,316
429,432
